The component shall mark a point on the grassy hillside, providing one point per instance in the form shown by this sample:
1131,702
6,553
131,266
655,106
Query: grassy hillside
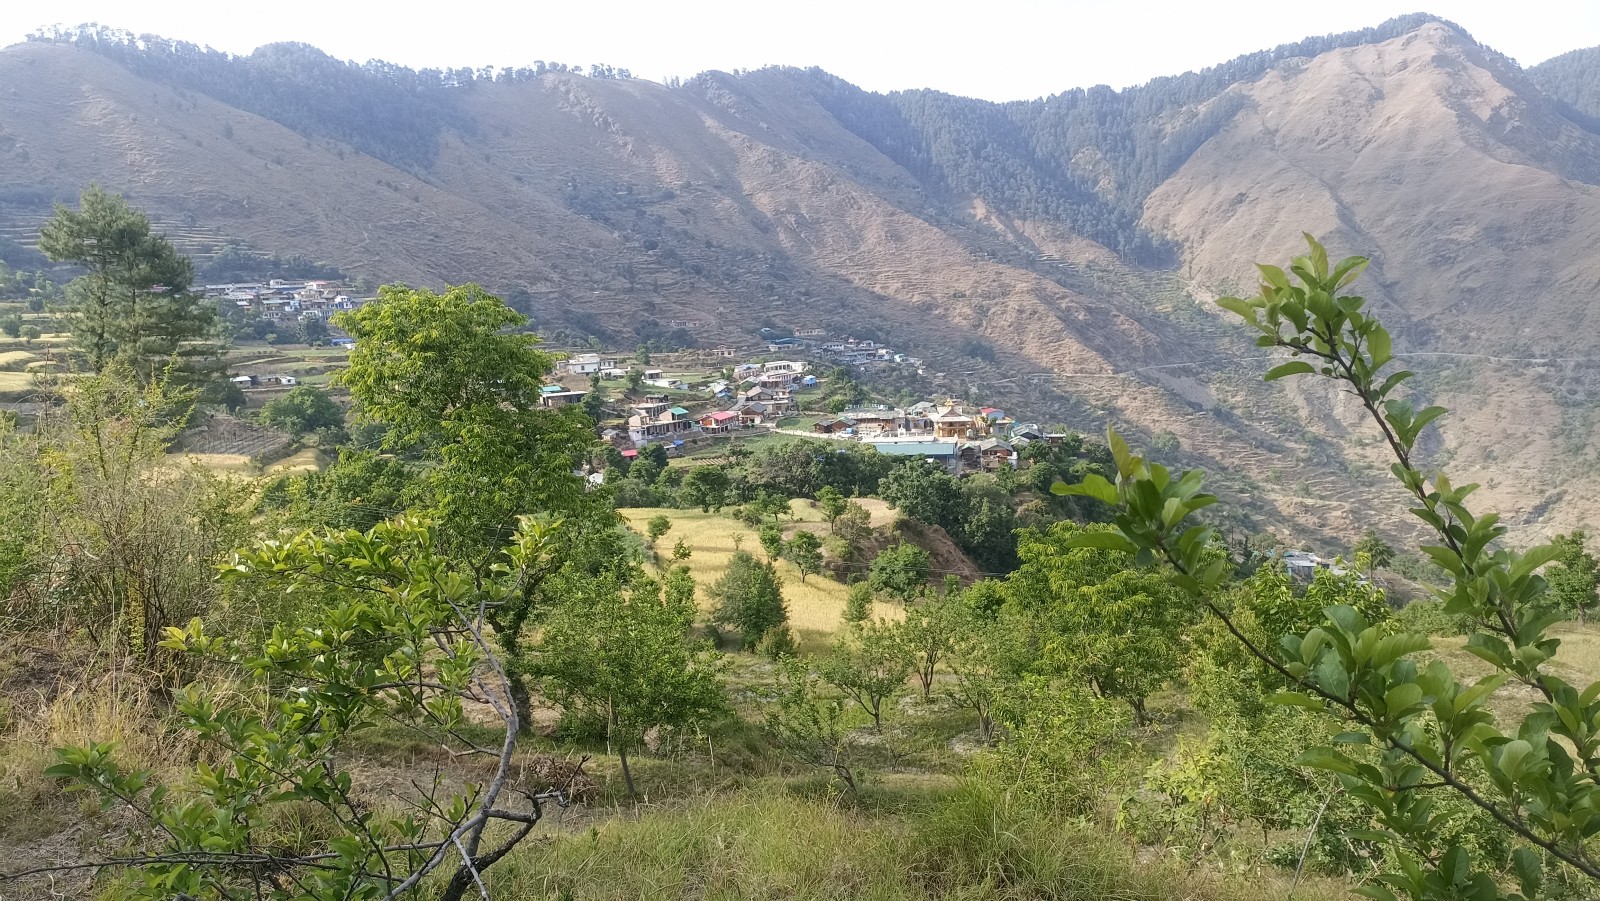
815,605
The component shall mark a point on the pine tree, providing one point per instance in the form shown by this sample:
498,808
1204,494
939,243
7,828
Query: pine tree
134,303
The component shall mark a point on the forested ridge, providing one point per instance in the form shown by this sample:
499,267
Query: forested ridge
1573,80
1087,157
390,112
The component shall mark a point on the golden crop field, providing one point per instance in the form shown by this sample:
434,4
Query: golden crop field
816,606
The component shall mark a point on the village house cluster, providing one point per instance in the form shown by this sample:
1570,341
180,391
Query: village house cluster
281,300
857,353
957,437
758,394
678,411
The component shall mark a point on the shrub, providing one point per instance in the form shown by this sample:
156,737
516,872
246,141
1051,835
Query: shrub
749,598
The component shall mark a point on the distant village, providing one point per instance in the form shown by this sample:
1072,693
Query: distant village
282,300
743,398
764,397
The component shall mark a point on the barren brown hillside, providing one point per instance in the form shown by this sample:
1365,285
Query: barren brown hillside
1478,199
1479,204
767,198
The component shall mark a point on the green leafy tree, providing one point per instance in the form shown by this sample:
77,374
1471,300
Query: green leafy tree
926,633
1373,549
832,504
360,489
1115,626
767,503
134,302
808,727
988,657
1411,729
1244,770
858,603
123,540
987,526
623,660
804,550
458,387
11,325
656,527
1574,575
926,493
594,403
749,598
706,487
305,408
313,330
404,640
771,538
30,333
900,571
854,525
869,666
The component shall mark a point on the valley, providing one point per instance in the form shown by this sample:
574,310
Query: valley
546,483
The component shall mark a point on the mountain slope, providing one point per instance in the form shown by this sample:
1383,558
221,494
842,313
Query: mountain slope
1479,198
1573,79
1011,245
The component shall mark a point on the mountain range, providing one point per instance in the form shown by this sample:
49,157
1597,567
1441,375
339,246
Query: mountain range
1057,256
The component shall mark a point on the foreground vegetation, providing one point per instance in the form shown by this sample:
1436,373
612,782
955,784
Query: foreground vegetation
447,665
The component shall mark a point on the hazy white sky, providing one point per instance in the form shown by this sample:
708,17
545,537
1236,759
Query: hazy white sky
997,49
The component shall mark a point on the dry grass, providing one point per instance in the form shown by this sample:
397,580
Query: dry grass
231,464
15,381
1577,662
816,606
304,460
16,360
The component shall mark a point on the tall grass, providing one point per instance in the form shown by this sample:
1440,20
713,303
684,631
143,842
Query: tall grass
976,843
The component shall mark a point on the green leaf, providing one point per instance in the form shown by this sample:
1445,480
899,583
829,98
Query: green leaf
1533,558
1422,419
1332,677
1274,276
1319,256
1526,864
1120,452
1513,759
1110,541
1393,647
1093,485
1296,699
1395,378
1295,367
1378,346
1327,759
1240,308
1479,691
1348,270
